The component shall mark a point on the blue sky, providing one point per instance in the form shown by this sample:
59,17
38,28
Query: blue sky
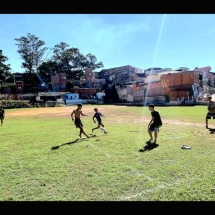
140,40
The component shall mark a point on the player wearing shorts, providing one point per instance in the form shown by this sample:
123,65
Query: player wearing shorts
157,123
2,113
211,112
78,122
98,115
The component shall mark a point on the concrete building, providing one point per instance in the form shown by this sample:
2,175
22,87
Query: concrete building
129,92
183,69
124,74
153,70
51,96
72,99
208,73
100,96
98,83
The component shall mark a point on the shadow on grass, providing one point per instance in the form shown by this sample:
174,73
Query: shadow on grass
212,130
69,143
149,147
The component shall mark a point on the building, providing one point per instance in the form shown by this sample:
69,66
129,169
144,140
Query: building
153,70
85,93
70,96
129,92
51,96
208,73
72,99
98,83
100,96
124,73
58,82
175,85
183,69
89,77
156,76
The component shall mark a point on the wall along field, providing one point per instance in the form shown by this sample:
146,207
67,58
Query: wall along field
43,158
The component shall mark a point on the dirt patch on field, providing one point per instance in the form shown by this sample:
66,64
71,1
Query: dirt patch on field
61,111
108,111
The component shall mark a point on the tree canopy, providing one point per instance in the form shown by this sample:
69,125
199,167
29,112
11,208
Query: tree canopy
69,60
31,52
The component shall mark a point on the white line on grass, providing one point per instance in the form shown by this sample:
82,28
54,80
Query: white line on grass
151,190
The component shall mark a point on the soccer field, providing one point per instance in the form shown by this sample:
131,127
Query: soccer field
42,157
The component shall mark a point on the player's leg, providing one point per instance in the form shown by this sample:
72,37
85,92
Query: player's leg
1,121
155,134
150,130
103,127
80,132
150,134
207,117
96,128
84,132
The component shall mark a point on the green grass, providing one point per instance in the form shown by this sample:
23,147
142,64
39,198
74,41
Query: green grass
114,167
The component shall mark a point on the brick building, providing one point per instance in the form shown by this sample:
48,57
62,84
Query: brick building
89,77
58,82
85,92
176,85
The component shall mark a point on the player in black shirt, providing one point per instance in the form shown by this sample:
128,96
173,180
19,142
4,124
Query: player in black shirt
157,123
98,115
2,115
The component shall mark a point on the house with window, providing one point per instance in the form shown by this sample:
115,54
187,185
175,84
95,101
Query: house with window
72,99
89,77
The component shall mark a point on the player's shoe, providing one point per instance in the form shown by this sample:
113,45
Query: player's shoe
149,141
185,147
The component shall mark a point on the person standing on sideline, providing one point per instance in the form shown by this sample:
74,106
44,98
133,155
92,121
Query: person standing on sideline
2,114
211,112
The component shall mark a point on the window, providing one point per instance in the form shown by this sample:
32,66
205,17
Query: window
88,78
90,73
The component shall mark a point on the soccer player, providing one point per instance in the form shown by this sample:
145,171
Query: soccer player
211,113
78,122
2,113
98,115
157,123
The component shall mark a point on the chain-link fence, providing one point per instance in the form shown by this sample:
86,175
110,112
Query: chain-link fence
207,91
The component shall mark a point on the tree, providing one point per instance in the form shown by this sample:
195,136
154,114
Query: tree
4,69
73,62
29,49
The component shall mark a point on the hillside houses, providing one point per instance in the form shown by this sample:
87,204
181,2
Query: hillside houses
174,84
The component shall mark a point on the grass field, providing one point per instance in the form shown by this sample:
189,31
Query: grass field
42,146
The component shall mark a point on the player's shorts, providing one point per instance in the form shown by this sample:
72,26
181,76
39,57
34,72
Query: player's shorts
154,126
78,123
209,115
1,117
99,122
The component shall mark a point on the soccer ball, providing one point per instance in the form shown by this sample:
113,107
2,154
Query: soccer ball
102,129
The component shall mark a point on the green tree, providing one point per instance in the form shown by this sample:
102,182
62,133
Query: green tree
31,52
73,62
4,68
